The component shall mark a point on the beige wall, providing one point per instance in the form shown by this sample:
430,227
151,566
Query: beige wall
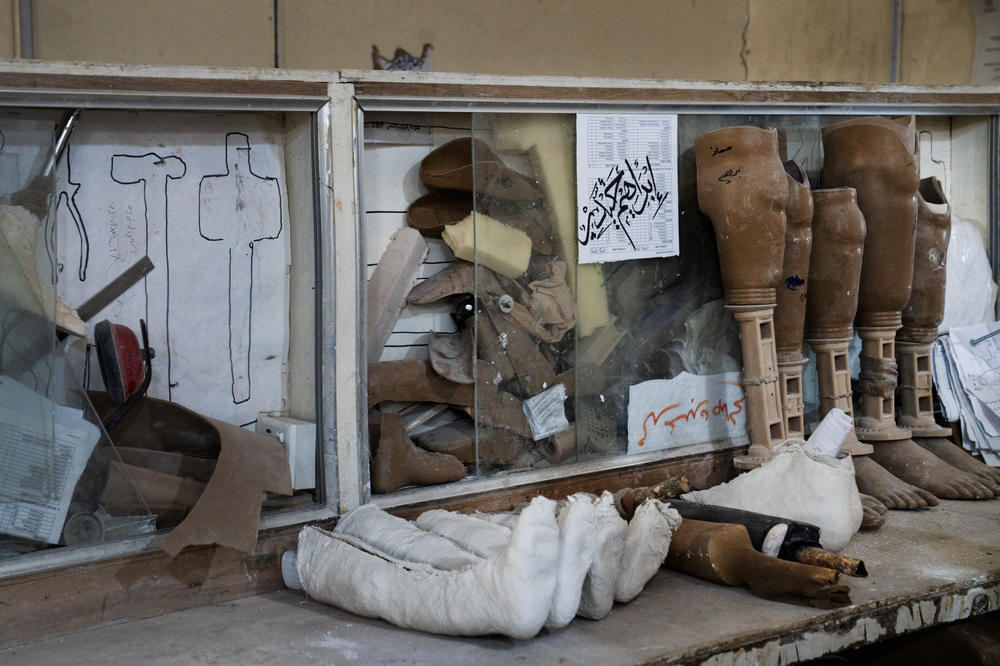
806,40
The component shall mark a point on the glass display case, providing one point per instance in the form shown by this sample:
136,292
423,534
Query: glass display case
544,296
159,240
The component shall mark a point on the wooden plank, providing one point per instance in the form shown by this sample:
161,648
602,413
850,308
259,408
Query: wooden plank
150,84
871,96
57,602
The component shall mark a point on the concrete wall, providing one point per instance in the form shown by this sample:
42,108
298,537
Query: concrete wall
818,40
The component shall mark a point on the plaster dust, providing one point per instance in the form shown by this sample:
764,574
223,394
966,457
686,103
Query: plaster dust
799,484
481,537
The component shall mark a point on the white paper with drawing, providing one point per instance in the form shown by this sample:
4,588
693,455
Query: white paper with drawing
688,409
626,175
204,196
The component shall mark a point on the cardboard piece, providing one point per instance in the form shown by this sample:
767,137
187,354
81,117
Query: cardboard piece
228,511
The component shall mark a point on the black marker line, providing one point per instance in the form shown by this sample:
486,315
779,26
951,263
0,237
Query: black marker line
252,243
166,242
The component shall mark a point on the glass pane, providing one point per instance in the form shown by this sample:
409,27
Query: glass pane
648,351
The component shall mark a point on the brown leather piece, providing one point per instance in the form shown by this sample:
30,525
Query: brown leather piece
398,462
414,381
451,167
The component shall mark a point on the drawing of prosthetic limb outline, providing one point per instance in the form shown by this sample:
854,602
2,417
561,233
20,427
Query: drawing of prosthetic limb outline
240,208
155,173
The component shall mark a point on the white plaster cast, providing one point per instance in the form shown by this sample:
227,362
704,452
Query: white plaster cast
577,517
471,533
401,539
647,541
510,593
800,484
598,594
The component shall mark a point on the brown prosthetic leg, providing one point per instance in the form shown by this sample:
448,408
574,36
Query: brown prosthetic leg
790,311
399,462
838,232
877,157
723,553
921,318
743,189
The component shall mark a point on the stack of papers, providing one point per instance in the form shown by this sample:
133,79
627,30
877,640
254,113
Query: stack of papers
967,377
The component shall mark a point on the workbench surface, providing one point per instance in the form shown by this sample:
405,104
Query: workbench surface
926,568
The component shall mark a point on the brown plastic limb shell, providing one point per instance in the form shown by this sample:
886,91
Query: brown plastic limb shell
790,311
877,157
838,238
915,390
743,189
923,314
722,553
833,369
876,421
760,378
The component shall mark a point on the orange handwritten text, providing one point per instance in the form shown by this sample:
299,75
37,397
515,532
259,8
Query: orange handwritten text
695,412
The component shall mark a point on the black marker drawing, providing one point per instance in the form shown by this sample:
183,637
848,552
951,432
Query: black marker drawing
620,198
65,203
240,208
155,173
727,177
717,151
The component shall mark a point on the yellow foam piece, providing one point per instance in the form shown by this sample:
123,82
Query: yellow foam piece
492,243
548,138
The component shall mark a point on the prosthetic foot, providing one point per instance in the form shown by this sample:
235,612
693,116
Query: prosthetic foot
743,188
921,318
877,157
399,462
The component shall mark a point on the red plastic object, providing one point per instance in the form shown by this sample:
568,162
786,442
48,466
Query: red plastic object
120,359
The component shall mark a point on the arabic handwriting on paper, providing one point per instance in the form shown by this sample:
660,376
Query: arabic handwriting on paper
688,409
618,199
626,186
671,415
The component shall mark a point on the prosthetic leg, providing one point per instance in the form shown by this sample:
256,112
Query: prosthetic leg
838,232
921,318
877,157
790,312
743,189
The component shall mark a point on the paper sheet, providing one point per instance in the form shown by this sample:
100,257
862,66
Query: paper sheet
626,178
979,364
44,448
203,195
546,412
688,409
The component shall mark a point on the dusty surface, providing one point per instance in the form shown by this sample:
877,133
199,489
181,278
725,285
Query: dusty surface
926,567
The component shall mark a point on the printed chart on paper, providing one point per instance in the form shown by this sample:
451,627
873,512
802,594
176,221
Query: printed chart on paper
626,186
